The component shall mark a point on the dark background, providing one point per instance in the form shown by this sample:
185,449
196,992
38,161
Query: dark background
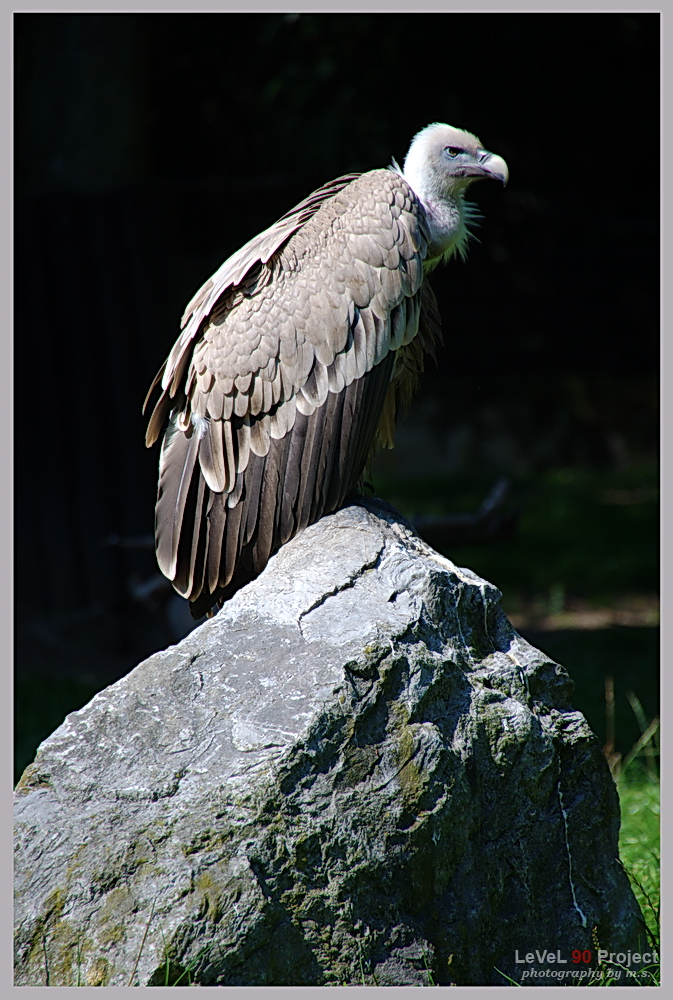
149,147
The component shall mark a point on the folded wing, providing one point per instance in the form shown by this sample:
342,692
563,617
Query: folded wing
292,357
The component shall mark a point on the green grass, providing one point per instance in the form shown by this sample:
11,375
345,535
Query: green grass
637,779
639,851
639,844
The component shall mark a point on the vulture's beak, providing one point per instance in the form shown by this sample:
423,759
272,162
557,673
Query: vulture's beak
490,165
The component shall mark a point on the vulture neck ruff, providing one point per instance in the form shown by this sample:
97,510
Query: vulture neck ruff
448,228
439,168
448,219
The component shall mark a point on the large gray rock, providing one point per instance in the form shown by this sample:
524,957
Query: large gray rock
356,772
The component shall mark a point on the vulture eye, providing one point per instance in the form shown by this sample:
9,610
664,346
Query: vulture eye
453,150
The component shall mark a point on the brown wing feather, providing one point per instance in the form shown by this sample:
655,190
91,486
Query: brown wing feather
336,438
231,275
409,362
280,396
178,459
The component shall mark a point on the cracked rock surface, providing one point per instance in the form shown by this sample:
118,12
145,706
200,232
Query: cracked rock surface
357,771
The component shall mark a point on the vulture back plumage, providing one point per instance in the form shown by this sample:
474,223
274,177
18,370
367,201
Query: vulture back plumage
293,361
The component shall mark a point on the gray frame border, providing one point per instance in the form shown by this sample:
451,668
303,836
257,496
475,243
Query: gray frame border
7,407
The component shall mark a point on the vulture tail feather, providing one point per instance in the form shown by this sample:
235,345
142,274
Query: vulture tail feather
176,471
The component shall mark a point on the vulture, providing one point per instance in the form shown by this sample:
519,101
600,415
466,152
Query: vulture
295,357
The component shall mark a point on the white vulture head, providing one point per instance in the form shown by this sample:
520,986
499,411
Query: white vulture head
441,164
294,359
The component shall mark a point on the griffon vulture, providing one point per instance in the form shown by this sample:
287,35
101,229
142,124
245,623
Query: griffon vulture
294,358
